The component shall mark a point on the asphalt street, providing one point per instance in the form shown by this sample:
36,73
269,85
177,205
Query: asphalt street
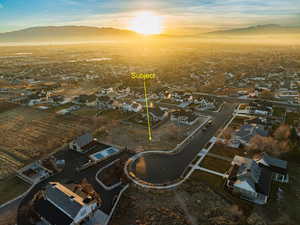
161,168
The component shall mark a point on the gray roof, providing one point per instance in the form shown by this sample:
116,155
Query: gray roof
84,139
156,111
271,161
63,201
258,178
248,169
248,131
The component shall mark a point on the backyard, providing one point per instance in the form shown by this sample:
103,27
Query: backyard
11,187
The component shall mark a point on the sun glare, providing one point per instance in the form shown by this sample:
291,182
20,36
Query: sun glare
146,23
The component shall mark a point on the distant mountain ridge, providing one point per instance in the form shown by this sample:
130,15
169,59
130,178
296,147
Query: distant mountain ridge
88,33
259,30
65,33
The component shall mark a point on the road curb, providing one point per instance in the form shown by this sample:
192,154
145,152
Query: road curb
173,151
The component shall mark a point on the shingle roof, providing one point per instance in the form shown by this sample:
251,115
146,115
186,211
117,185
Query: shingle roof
274,162
251,176
276,165
66,200
51,213
264,184
248,131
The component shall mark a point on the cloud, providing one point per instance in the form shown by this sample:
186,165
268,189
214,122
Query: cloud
1,6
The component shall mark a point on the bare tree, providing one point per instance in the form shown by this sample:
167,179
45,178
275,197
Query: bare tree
267,94
227,133
268,144
263,144
282,133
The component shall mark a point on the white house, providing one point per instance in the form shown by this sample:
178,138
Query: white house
80,142
58,205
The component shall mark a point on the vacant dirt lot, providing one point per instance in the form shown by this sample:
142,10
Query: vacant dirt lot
164,137
192,203
26,134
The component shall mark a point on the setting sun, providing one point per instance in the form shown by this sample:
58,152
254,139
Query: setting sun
146,23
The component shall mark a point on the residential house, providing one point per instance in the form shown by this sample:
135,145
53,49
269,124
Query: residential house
256,109
184,117
132,107
33,102
85,99
104,102
158,114
79,144
58,205
277,166
249,181
245,134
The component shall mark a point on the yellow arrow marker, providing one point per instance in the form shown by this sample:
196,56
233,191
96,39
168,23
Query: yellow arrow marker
146,100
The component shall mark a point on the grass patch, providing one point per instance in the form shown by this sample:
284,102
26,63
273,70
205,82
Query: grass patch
216,183
215,164
86,112
59,107
240,120
4,106
292,118
11,188
223,150
278,111
116,114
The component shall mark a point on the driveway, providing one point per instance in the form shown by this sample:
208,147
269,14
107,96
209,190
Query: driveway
70,175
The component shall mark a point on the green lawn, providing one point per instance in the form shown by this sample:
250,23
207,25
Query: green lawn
11,188
278,111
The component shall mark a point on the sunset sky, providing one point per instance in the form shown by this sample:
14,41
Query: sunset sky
177,15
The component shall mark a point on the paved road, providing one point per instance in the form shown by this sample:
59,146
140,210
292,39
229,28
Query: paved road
70,175
160,168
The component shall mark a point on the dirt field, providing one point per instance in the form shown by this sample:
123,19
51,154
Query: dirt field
192,203
26,134
135,137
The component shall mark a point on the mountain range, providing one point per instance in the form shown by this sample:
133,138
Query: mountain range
268,29
64,34
86,33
